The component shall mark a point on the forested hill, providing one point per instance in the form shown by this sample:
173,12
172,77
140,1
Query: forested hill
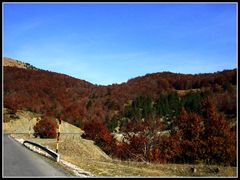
161,117
78,100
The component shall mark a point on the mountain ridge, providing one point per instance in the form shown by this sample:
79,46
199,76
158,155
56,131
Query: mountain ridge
20,64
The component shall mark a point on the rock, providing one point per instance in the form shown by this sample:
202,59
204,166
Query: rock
216,170
193,170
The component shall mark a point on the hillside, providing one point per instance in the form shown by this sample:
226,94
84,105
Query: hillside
140,110
22,120
80,101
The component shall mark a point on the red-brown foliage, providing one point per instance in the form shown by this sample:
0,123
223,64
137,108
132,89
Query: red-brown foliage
46,127
220,140
41,91
98,132
80,102
121,151
141,138
191,129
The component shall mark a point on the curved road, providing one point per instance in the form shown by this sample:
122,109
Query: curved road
20,161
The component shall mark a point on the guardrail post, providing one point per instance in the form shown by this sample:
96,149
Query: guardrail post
58,158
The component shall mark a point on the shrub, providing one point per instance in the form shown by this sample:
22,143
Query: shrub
46,127
98,132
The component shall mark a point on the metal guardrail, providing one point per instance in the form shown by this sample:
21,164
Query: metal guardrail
53,154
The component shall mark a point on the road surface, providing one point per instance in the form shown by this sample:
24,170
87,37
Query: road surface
20,161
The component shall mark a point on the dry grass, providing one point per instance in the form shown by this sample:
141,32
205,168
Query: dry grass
13,63
184,92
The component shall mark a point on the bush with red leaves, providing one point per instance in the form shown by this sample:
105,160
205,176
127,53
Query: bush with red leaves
46,127
98,132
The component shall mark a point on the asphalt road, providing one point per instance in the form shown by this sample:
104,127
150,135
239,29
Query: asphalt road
20,161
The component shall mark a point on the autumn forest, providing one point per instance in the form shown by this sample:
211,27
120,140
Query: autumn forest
161,117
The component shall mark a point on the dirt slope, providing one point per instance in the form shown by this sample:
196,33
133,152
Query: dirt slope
22,120
71,143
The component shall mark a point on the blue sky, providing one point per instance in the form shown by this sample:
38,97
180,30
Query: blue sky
111,43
